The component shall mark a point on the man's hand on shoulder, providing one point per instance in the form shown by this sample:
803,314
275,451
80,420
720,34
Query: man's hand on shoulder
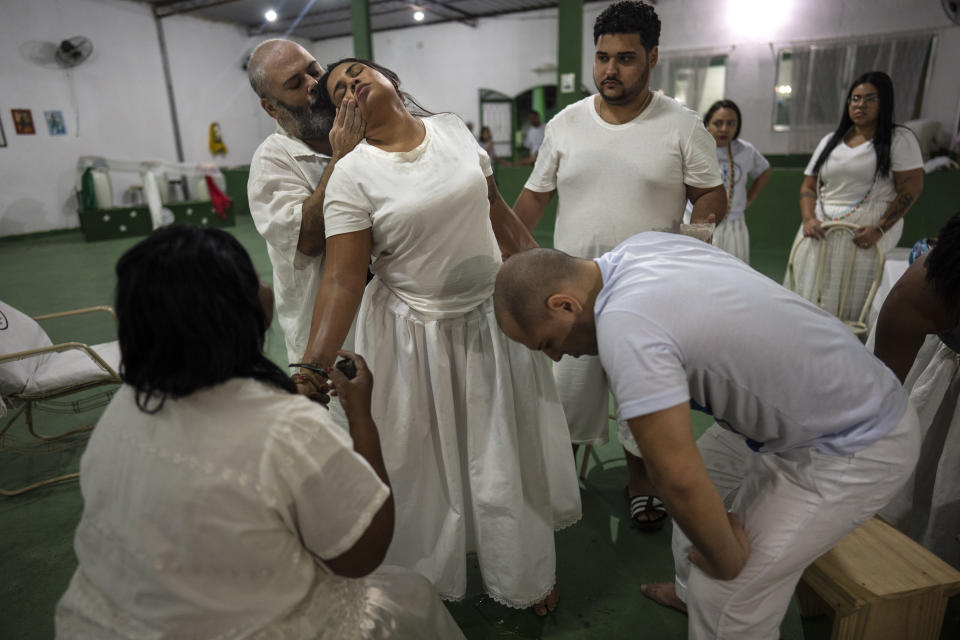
348,129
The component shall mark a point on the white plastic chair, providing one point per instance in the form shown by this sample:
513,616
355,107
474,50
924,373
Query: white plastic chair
837,275
34,373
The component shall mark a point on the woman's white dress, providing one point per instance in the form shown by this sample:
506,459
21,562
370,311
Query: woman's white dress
732,234
928,507
846,177
478,451
212,519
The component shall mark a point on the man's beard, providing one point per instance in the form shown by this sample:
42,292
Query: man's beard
628,94
310,122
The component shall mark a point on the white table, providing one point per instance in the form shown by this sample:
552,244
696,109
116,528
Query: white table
893,267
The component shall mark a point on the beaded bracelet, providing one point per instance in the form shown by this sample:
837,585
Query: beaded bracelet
308,377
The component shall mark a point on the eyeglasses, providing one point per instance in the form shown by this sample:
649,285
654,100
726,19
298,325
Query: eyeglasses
870,99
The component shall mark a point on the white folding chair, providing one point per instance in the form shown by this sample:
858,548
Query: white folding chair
837,275
35,374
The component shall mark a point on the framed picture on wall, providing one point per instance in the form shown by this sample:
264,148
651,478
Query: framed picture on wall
23,121
55,123
3,138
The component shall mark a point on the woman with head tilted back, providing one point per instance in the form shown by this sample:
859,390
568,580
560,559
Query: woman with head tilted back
218,503
868,172
739,160
477,448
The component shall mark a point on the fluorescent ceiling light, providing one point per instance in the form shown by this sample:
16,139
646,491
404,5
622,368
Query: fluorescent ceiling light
270,15
418,16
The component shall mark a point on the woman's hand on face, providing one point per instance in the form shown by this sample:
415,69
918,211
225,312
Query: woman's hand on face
355,392
812,229
866,237
348,128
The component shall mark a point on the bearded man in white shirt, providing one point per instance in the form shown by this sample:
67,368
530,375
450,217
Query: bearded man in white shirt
288,176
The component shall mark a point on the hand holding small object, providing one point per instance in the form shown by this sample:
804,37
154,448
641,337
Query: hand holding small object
354,392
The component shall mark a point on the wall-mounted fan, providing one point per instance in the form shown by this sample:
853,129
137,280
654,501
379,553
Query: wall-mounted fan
73,51
951,7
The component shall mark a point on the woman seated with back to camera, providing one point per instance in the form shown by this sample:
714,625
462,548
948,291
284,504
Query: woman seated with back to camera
219,503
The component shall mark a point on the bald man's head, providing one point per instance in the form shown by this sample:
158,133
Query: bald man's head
284,75
259,62
527,279
543,299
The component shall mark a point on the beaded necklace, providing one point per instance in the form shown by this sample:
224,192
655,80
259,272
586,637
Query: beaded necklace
730,188
849,212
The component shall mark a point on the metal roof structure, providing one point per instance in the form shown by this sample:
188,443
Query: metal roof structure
323,19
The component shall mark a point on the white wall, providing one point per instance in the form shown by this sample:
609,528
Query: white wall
211,86
746,29
37,171
118,97
443,66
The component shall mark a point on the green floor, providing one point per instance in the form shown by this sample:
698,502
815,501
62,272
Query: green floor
601,560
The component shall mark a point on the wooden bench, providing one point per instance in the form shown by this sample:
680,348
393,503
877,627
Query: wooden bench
878,584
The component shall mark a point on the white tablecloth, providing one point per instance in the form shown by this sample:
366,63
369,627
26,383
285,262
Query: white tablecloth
893,268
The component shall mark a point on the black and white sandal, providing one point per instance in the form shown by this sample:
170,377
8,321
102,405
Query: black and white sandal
652,506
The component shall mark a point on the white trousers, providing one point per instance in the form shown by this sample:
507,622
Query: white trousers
585,395
795,506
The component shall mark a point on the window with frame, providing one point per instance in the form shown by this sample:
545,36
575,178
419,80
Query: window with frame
696,81
813,79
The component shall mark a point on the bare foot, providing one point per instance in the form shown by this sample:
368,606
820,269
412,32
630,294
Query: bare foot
548,604
664,594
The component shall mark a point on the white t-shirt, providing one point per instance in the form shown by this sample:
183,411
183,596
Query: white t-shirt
283,173
616,180
747,162
433,244
210,517
680,320
534,139
848,172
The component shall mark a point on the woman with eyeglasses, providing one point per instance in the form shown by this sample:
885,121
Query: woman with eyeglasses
868,172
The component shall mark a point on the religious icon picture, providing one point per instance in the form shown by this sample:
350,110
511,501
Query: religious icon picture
23,121
55,123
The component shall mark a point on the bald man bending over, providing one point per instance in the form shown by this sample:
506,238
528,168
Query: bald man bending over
813,434
288,176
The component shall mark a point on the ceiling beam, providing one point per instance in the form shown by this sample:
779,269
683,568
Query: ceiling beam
466,17
167,8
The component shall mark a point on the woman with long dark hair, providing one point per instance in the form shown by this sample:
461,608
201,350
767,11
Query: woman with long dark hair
217,501
739,161
868,172
477,448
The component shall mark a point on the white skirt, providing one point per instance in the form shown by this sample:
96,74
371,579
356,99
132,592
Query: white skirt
475,444
733,237
389,604
928,507
865,264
